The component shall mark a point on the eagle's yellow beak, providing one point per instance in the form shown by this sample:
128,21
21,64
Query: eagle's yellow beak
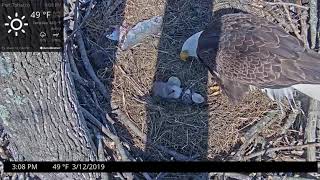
184,55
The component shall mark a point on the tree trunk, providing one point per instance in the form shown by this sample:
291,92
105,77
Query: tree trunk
39,110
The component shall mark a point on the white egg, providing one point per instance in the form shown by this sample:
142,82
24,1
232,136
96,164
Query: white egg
197,98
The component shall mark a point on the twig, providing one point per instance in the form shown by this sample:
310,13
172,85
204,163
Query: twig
74,9
102,113
100,152
113,7
113,137
90,104
232,175
310,130
290,120
83,81
303,23
260,153
120,176
280,20
109,118
287,4
75,14
72,62
160,176
147,176
86,61
318,37
88,66
273,177
107,132
265,122
294,29
101,156
313,20
77,18
95,99
97,45
318,129
304,28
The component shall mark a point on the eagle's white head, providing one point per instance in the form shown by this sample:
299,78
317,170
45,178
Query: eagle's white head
189,48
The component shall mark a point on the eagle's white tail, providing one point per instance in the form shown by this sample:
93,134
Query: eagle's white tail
311,90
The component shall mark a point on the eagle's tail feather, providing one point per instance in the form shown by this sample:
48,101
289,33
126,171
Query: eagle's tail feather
279,94
309,63
311,90
309,59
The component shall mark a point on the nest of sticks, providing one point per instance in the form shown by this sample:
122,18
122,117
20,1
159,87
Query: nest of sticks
114,87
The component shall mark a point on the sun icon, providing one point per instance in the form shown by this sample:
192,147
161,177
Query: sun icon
16,24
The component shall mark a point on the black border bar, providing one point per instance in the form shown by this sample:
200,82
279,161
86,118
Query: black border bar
203,166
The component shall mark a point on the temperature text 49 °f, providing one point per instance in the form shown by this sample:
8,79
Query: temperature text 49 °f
38,14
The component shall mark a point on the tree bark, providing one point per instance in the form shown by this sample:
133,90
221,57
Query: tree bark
39,109
311,128
313,21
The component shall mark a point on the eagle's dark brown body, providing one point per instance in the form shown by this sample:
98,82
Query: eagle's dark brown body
249,50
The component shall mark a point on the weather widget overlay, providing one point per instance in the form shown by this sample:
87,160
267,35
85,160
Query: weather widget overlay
31,26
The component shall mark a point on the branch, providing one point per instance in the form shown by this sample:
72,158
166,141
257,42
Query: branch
310,130
303,22
101,156
107,132
147,176
113,7
265,122
72,62
287,4
318,37
90,104
160,176
260,153
77,18
290,120
83,81
313,20
232,175
88,66
83,51
293,27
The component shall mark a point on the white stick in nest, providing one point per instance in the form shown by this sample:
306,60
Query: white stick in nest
141,31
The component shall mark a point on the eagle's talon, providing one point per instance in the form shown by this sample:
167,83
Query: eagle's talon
215,90
216,93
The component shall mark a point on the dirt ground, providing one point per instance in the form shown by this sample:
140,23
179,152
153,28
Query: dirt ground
212,131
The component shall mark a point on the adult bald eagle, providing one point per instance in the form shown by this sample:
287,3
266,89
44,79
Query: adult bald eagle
246,51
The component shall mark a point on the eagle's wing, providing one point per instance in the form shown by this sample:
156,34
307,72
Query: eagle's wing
254,51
